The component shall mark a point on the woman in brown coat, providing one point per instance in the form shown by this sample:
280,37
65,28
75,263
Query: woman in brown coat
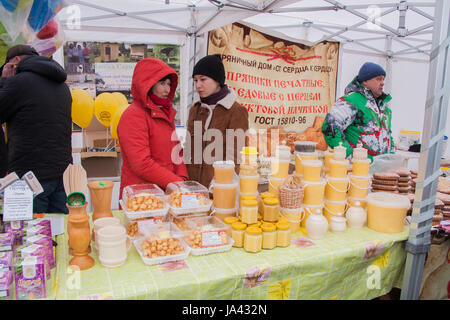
217,124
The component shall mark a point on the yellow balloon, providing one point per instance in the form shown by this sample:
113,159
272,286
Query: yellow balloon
120,98
105,107
82,107
115,120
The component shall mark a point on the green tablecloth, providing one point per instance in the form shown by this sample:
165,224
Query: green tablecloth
357,264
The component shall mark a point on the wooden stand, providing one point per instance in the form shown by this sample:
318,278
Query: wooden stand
79,240
76,211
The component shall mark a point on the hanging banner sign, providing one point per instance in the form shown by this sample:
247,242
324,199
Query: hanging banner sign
282,84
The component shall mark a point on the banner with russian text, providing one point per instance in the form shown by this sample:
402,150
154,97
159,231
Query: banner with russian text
283,84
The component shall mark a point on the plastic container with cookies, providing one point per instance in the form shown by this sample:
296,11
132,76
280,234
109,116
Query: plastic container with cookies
161,244
143,201
207,235
134,227
187,197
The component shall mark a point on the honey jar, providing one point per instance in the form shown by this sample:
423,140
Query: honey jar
271,209
283,234
253,239
237,233
269,235
229,221
249,211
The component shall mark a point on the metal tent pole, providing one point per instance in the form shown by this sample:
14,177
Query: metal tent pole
436,107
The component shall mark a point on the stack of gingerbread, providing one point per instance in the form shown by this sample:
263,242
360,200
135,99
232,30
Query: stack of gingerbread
404,180
385,181
437,217
413,181
445,198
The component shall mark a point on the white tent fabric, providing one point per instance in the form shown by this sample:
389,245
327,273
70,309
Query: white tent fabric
395,34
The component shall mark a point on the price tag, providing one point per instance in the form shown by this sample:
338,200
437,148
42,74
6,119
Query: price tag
142,224
213,238
18,202
190,200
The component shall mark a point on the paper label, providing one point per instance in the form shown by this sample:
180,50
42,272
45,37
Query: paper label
213,238
190,200
18,202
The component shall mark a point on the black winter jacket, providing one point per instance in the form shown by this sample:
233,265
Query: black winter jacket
36,106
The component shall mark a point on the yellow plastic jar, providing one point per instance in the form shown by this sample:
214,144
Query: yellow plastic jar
253,239
269,235
229,221
312,170
336,189
248,184
247,196
261,200
361,167
334,209
279,168
293,216
328,155
314,192
359,186
224,195
386,211
237,233
223,171
274,183
300,156
249,211
338,168
271,210
283,234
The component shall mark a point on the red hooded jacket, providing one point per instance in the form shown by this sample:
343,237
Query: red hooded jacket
146,134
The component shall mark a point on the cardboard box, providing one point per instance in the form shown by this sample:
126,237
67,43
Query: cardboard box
100,163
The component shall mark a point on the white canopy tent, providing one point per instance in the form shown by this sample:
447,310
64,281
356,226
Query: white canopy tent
410,39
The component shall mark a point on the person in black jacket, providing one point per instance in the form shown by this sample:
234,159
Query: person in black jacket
35,104
3,154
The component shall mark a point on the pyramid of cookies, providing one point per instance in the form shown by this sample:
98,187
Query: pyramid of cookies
385,181
404,179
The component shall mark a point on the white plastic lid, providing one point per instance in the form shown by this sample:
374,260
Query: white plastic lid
228,164
338,219
357,199
345,161
225,186
224,211
389,200
248,193
335,202
360,160
291,210
276,159
276,179
282,151
249,177
337,179
359,177
298,153
321,182
311,163
312,206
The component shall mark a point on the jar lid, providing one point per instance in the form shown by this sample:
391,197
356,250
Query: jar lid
267,195
249,151
311,163
253,230
338,219
271,201
230,220
238,226
283,225
228,164
268,227
257,224
283,220
250,203
248,197
225,185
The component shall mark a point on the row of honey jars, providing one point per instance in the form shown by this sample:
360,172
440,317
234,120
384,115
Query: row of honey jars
255,238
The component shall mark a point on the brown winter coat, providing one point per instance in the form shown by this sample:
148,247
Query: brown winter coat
226,114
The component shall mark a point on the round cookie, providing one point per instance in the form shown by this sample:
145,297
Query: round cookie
386,176
384,182
383,187
403,185
404,179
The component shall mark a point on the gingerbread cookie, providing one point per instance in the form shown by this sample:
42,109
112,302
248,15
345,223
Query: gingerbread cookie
404,179
384,182
383,187
403,185
386,176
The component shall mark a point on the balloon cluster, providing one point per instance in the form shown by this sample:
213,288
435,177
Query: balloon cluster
107,108
32,22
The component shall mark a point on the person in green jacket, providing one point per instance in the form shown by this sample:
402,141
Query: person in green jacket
362,116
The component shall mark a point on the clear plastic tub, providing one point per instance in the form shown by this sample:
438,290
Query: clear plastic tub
224,195
187,197
206,232
134,226
386,211
143,200
162,259
223,171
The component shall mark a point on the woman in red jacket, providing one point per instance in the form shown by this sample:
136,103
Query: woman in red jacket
151,151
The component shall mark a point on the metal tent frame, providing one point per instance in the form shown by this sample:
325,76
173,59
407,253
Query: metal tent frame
188,22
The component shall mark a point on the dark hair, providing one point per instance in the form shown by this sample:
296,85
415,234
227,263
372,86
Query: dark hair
166,77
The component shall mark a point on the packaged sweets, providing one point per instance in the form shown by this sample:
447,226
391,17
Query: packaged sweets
34,250
6,242
5,284
6,260
45,241
29,275
38,222
187,197
143,201
37,229
15,228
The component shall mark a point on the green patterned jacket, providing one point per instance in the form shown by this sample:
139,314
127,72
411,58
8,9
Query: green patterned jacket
359,118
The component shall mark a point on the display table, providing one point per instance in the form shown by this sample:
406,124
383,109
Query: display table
358,264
